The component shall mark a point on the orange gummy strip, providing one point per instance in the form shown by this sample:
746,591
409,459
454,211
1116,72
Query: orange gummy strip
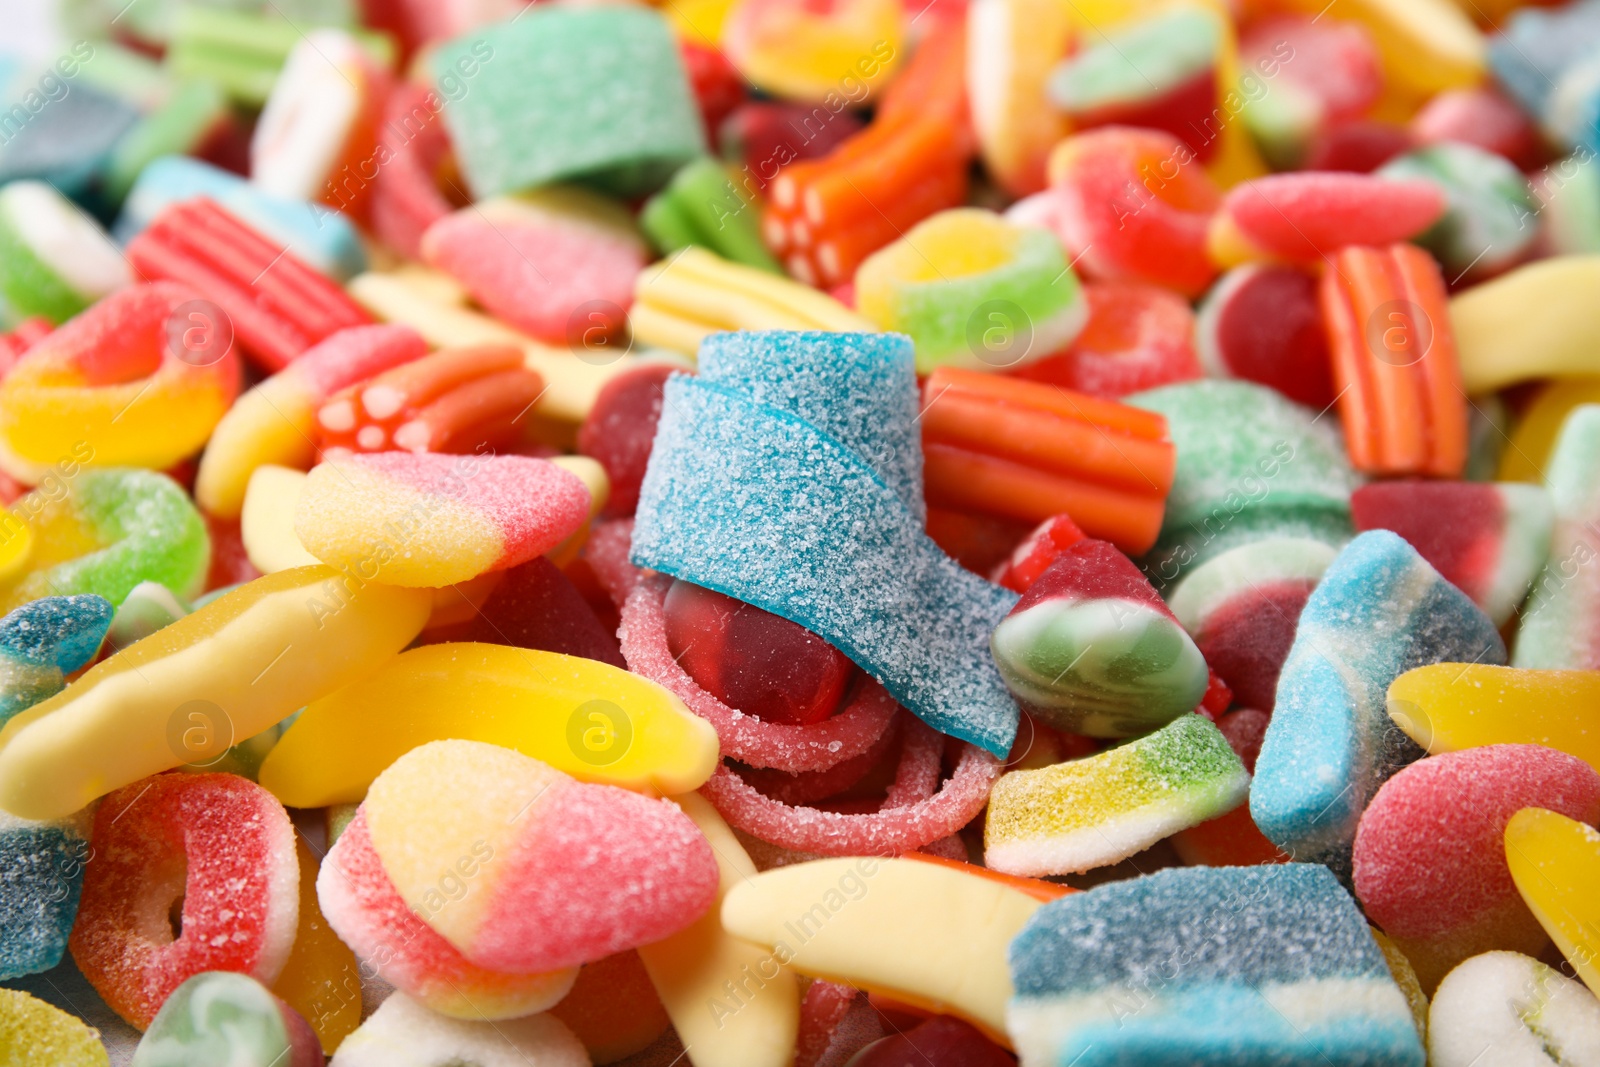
1115,417
421,381
967,481
484,410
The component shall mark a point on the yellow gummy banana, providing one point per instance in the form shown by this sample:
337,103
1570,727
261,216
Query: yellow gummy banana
1538,321
591,720
1447,707
1536,431
185,693
1555,862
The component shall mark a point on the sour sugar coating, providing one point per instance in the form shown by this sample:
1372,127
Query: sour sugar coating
810,520
1379,611
31,1028
1092,649
1560,629
560,279
221,845
1489,541
113,381
275,423
610,103
223,1017
1505,1008
108,532
403,1033
54,259
365,910
1241,608
1245,966
43,864
1137,337
1097,810
1483,229
1251,465
534,907
1555,862
1262,322
1324,75
1449,707
974,290
1436,883
42,642
1304,217
431,519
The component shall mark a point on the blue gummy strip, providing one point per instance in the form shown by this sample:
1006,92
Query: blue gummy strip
60,631
319,235
1379,611
757,503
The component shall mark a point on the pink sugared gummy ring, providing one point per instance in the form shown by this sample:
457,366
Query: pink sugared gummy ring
367,912
745,738
221,844
892,830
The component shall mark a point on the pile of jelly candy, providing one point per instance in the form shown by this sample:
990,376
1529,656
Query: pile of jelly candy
801,533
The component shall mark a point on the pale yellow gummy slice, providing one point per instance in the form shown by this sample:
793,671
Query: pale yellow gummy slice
1446,707
1555,862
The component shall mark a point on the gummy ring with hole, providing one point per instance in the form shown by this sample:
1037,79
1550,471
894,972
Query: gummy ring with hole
219,846
745,738
889,831
808,787
142,378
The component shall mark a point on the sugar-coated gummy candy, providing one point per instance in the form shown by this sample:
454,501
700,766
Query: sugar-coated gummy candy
41,884
400,947
1245,966
109,531
1555,862
1379,611
614,1009
266,520
31,1028
321,236
599,95
1451,707
1490,541
536,606
1484,228
1535,434
1262,322
924,934
1304,216
147,608
554,839
1427,869
1324,74
702,206
974,290
690,969
54,259
1137,337
185,693
42,642
1505,1008
1558,630
1241,608
589,719
785,475
275,422
1092,649
1251,464
403,1033
140,379
224,1017
431,519
1097,810
220,845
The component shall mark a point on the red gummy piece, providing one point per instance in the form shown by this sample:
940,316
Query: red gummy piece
717,86
1481,117
222,845
230,564
1218,697
15,344
1358,147
1305,216
1247,639
769,135
278,305
1265,326
1138,337
1188,111
536,606
980,543
1458,527
760,663
620,431
1429,860
939,1041
1037,552
405,197
1335,63
1094,570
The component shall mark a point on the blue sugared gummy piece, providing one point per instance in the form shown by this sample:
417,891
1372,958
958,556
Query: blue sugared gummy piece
788,475
1379,611
43,641
1268,966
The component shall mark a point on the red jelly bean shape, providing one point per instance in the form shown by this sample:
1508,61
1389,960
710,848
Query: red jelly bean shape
1263,323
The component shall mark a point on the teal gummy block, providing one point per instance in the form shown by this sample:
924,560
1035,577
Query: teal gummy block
591,94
